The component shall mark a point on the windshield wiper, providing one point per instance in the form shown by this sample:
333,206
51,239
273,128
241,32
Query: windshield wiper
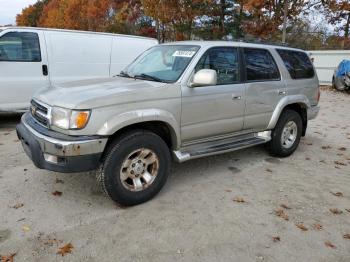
149,77
124,74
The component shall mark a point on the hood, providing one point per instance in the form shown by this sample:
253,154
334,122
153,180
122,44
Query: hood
93,93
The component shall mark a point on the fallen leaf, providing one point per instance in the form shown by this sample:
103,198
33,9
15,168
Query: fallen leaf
340,154
336,211
329,244
323,161
346,236
239,200
25,228
282,214
338,194
348,210
307,158
65,249
342,148
276,239
340,163
18,205
8,258
285,206
25,169
318,227
269,170
59,181
301,226
309,144
57,193
6,134
326,147
337,167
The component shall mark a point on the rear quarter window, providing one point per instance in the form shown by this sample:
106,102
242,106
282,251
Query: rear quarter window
297,63
260,65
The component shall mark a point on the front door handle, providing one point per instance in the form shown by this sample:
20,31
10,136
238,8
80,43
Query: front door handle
45,70
282,93
236,97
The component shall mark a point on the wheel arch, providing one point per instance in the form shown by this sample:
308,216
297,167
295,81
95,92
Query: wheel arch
160,122
298,103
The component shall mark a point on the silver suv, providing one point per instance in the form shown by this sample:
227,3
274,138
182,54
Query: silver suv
178,101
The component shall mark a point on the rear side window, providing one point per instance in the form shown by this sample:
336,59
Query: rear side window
224,60
297,63
260,65
20,47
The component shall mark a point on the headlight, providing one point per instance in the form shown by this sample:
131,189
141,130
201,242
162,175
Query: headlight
69,119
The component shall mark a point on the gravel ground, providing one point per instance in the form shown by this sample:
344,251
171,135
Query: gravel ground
199,215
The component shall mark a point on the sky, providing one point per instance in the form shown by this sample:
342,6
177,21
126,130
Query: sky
10,8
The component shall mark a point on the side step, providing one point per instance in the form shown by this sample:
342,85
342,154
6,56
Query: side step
221,146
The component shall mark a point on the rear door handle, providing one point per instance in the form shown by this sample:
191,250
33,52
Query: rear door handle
282,93
45,70
235,97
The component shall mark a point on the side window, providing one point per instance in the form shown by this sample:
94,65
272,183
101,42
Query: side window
224,60
297,63
260,65
20,47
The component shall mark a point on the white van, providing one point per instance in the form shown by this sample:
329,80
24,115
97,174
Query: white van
34,58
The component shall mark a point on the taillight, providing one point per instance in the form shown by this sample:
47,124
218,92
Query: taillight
318,95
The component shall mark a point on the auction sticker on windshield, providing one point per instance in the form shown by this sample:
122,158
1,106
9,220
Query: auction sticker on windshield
184,53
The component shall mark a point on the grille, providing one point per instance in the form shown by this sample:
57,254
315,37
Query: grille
40,113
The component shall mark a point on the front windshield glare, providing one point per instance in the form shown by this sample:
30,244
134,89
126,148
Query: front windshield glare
164,63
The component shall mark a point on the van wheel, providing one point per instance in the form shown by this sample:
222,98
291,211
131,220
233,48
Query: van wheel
286,135
135,168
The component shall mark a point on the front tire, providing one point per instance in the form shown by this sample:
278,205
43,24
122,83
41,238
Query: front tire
135,168
286,135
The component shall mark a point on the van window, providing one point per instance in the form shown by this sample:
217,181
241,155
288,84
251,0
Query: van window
224,60
20,47
260,65
298,64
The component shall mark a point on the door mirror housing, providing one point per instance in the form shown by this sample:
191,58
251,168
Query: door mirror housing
205,77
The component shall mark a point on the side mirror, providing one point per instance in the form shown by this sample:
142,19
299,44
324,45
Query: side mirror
205,77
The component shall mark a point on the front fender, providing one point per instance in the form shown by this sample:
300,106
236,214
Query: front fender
125,119
285,101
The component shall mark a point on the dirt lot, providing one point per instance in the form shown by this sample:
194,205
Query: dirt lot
194,218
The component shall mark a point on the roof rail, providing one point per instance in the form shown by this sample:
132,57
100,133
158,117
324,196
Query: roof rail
259,41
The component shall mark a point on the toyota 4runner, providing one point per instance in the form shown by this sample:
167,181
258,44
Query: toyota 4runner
178,101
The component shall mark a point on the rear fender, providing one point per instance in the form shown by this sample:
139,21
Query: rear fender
285,101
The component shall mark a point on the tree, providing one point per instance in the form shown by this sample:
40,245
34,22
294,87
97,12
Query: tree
30,15
338,13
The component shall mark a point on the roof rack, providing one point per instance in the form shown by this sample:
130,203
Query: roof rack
258,41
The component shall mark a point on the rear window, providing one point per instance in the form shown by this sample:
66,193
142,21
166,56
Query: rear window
260,65
297,63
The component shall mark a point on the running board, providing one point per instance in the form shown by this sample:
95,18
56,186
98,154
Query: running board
221,146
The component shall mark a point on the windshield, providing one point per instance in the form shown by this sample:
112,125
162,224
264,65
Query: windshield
163,63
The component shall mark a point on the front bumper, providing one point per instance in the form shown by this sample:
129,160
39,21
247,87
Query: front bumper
57,152
312,112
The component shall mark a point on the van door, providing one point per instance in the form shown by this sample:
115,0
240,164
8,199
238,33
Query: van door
23,68
264,87
77,56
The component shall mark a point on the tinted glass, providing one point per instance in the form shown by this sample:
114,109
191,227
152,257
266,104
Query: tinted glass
298,64
260,65
224,60
20,47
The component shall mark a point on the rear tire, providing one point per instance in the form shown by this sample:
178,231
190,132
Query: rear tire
135,168
286,135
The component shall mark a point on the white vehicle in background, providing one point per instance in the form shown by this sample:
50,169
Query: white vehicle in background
35,58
